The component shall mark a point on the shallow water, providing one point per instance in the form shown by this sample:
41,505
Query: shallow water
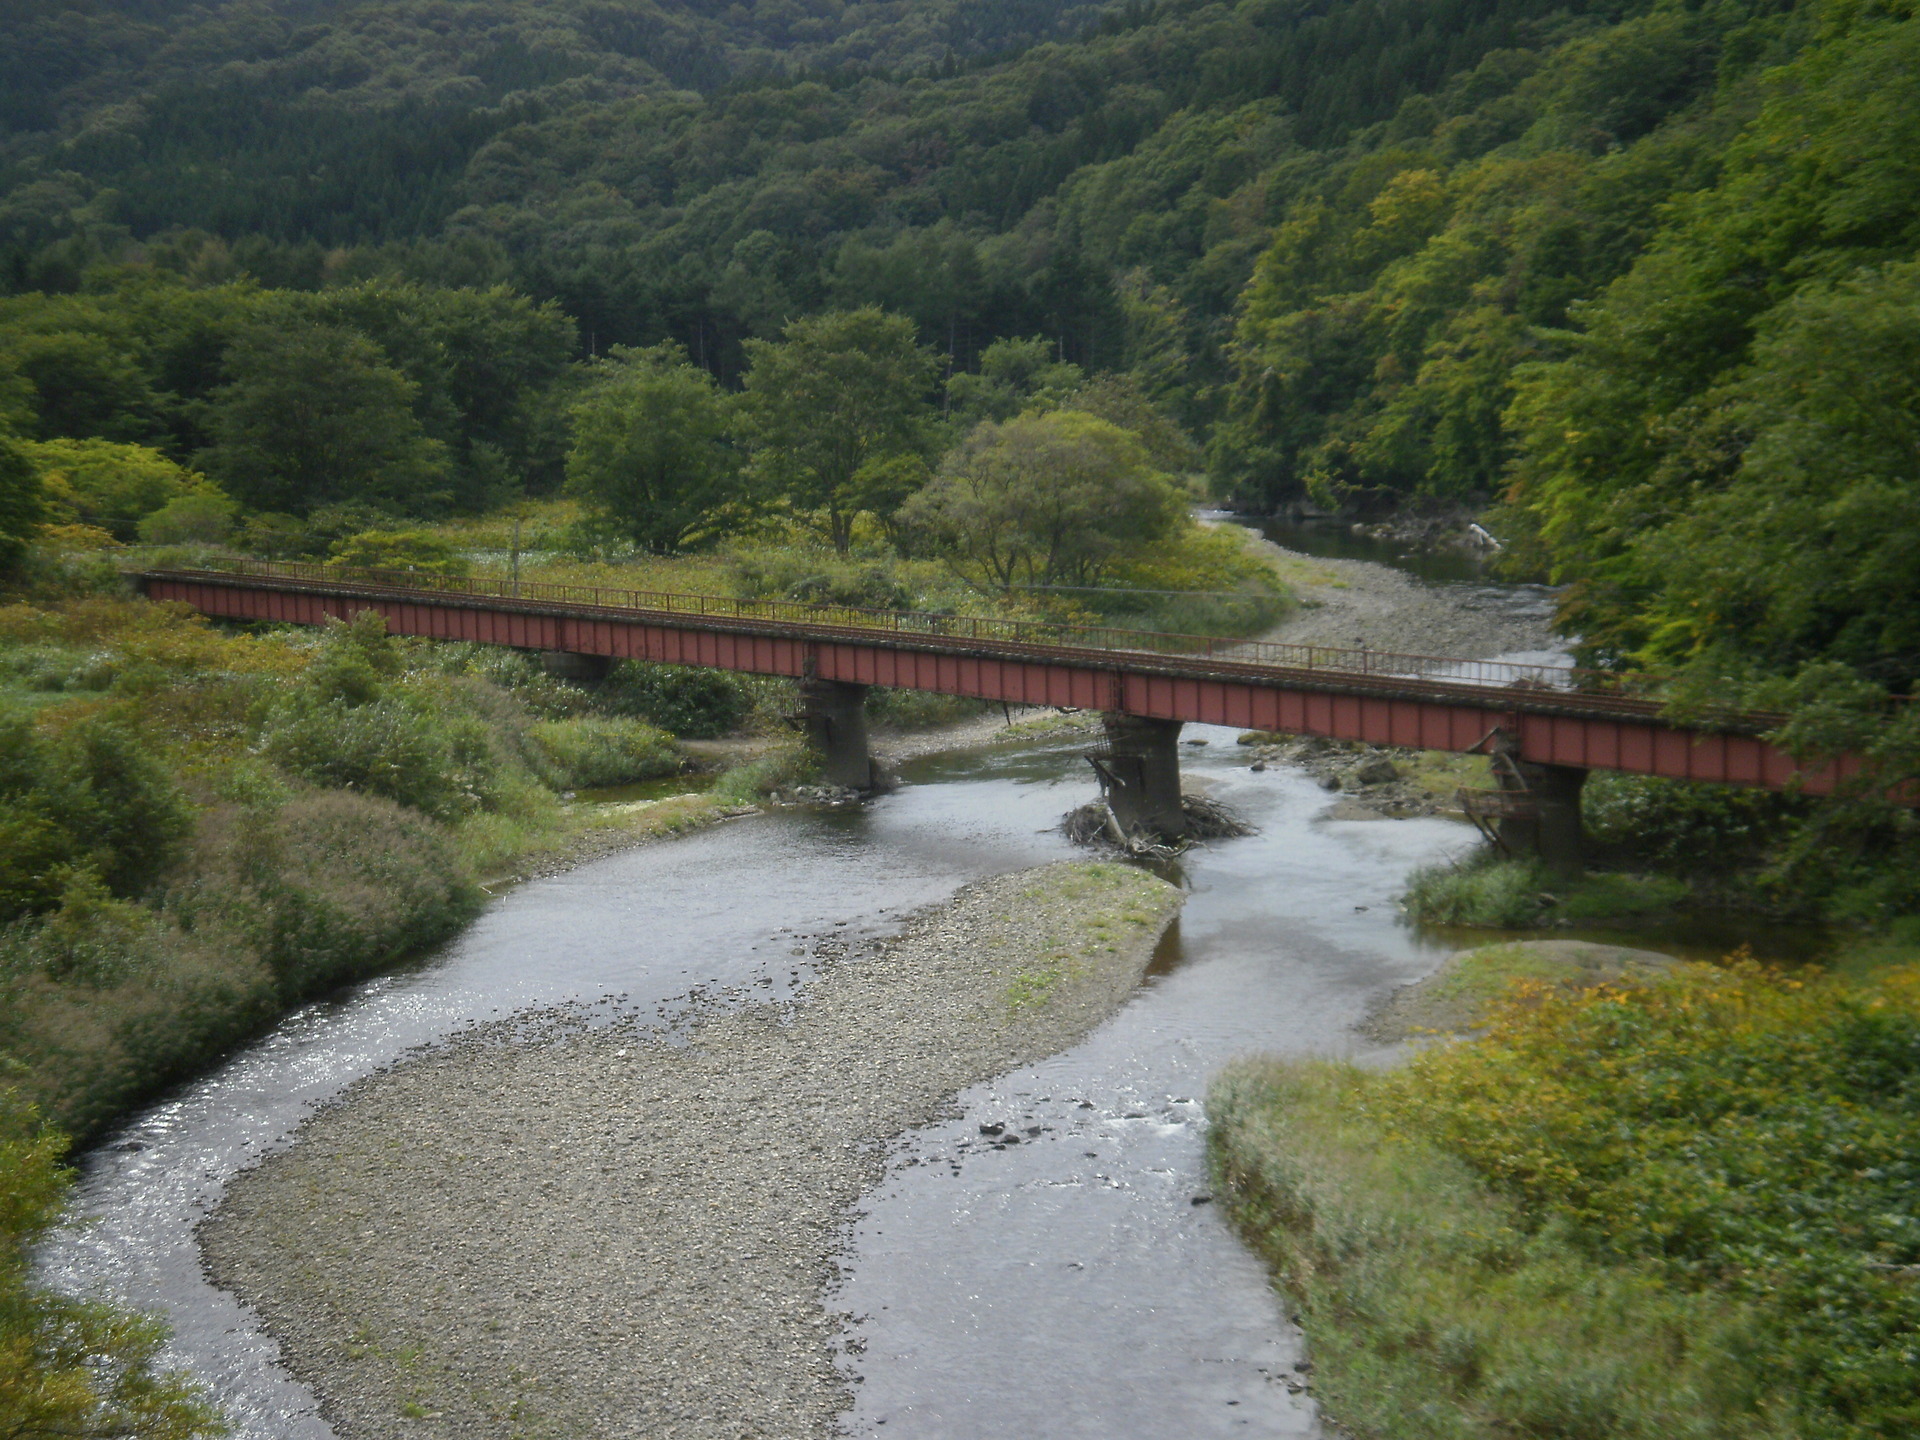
1036,1278
1081,1283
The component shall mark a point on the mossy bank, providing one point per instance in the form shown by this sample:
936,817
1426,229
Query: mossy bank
618,1232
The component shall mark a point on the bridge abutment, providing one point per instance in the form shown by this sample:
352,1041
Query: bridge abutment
1140,774
834,715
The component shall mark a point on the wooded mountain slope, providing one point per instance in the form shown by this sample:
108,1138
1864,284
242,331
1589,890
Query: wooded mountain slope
1642,269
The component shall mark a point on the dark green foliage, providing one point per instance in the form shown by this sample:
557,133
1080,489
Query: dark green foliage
88,800
693,703
652,453
1722,465
314,416
22,502
1681,828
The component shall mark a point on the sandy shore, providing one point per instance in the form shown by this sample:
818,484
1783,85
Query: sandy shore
627,1233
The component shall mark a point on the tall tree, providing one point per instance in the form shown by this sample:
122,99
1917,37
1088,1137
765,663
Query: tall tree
315,415
651,449
1049,499
835,394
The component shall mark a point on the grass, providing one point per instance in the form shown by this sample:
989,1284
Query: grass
1109,909
1484,890
1434,1310
1672,1209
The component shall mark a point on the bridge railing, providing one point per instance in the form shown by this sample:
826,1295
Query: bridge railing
908,623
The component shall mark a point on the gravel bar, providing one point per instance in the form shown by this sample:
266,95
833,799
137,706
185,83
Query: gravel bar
543,1230
1348,603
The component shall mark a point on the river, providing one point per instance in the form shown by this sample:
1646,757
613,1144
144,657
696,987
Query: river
1069,1286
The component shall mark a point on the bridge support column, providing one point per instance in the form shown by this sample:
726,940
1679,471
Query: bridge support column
834,715
1141,774
1554,832
567,665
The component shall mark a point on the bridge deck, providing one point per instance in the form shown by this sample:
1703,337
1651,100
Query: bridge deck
1557,716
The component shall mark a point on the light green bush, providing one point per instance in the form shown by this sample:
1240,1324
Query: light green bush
588,753
1483,890
786,765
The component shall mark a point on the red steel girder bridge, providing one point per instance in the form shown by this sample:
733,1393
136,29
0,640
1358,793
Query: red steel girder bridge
1545,716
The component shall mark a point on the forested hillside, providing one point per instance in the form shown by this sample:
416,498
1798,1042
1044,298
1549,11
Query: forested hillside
1639,270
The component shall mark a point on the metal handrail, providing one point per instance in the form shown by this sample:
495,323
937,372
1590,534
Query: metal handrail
1374,664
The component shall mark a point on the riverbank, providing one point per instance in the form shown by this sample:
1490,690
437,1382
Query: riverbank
1360,603
558,1231
1587,1216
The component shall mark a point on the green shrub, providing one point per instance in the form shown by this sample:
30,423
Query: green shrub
819,577
407,550
88,797
1613,896
73,1367
519,675
695,703
442,765
590,753
1487,891
1684,827
1482,890
1436,1309
785,765
329,887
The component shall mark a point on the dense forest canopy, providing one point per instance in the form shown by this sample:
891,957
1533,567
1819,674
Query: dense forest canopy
1636,271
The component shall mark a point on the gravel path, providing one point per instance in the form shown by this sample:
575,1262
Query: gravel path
548,1231
1350,603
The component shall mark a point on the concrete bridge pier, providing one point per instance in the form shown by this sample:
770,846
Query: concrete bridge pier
834,716
1554,831
1140,774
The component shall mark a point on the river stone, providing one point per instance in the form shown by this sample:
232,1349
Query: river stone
1453,999
534,1232
1377,771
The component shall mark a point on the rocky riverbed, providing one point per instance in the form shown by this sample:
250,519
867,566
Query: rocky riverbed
554,1229
1360,603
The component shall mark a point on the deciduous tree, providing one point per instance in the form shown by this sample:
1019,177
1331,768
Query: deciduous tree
652,453
1048,499
314,415
836,393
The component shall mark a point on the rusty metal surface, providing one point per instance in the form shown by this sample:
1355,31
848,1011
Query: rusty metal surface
913,624
1415,701
1525,689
